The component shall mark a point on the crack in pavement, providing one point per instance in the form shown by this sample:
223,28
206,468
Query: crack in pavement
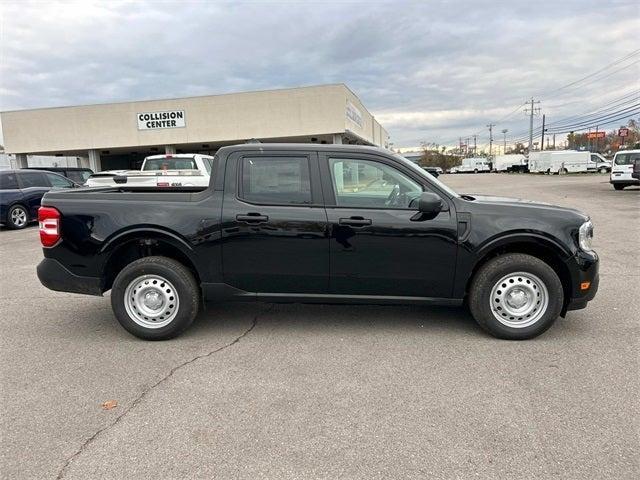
144,393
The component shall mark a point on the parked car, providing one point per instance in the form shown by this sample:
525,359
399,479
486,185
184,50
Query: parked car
435,171
180,170
77,175
21,192
622,169
317,224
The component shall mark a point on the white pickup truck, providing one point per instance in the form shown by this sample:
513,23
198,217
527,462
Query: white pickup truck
180,170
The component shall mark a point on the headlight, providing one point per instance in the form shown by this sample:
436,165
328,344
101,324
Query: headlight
585,236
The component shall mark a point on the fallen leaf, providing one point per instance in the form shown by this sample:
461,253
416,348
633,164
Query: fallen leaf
109,404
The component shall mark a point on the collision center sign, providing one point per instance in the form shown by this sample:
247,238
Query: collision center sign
157,120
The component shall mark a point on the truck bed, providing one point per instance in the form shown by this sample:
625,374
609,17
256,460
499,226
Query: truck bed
119,193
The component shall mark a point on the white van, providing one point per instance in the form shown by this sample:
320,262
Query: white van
510,163
599,164
561,162
622,168
474,165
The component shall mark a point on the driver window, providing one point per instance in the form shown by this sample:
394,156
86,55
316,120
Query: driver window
370,184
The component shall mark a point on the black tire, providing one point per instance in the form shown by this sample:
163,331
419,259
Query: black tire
618,186
603,170
12,221
475,171
184,284
496,269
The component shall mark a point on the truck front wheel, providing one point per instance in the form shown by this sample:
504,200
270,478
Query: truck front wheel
516,296
155,298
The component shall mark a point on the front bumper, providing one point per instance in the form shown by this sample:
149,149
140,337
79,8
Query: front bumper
584,268
53,275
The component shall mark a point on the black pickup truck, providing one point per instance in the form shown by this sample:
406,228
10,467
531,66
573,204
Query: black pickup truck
316,224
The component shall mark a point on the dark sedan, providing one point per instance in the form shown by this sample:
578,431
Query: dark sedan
21,192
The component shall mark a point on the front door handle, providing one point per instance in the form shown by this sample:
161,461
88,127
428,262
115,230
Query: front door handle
252,217
355,221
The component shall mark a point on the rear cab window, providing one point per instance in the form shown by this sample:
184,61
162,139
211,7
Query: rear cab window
170,164
273,180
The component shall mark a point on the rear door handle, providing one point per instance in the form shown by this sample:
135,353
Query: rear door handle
252,217
355,221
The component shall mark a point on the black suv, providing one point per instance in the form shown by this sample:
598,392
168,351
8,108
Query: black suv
21,192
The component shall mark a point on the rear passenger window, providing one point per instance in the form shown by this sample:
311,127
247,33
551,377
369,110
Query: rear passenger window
33,179
276,180
8,181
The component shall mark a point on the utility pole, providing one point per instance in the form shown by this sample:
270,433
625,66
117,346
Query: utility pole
532,111
475,145
542,141
554,141
504,147
596,149
468,141
490,127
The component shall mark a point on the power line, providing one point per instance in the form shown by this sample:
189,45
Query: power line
603,69
625,113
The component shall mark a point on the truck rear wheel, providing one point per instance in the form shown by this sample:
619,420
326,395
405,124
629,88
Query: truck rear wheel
155,298
516,296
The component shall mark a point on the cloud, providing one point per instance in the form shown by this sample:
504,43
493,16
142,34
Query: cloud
428,71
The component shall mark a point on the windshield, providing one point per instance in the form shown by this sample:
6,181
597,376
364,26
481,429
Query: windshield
437,182
627,158
79,176
169,164
208,164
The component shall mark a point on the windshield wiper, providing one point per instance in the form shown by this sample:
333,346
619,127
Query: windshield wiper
464,196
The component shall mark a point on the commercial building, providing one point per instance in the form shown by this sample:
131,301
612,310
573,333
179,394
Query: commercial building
119,135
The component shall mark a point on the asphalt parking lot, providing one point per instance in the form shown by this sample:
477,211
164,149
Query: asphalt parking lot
299,391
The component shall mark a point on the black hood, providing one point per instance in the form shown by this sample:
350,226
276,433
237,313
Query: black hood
524,203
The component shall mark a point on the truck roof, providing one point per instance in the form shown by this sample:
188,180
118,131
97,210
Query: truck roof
304,146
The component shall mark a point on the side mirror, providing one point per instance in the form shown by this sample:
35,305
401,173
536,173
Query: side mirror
429,206
430,203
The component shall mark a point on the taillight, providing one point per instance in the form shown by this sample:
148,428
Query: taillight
49,223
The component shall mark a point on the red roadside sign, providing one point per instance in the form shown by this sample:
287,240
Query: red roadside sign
623,132
596,134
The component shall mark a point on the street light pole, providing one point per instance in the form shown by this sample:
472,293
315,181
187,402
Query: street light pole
504,148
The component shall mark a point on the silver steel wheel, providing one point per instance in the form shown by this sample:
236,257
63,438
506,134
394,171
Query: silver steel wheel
19,217
151,301
519,299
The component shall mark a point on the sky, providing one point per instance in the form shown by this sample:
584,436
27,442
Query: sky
429,71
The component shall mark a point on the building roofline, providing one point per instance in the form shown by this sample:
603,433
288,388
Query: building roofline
340,84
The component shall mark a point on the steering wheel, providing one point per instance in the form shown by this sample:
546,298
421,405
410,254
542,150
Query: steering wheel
394,196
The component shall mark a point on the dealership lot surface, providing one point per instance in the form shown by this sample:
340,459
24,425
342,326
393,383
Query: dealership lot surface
302,391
